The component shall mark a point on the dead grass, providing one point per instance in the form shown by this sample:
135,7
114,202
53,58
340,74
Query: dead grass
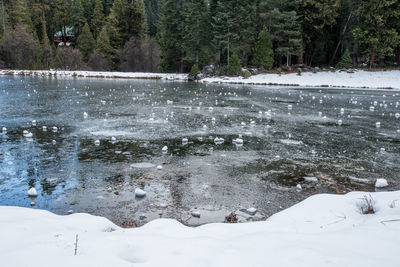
367,205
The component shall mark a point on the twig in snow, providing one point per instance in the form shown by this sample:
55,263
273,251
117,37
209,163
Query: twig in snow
342,218
394,220
76,244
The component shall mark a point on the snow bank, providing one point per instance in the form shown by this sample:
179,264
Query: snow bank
358,79
97,74
324,230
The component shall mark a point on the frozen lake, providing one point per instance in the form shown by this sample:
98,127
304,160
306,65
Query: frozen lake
326,140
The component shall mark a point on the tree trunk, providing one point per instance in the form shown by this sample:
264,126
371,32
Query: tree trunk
228,48
340,39
398,56
373,55
3,16
355,52
181,64
355,47
46,49
300,56
65,35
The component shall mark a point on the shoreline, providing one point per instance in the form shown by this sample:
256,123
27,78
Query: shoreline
335,226
359,79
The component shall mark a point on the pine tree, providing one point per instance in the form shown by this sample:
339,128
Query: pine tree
104,48
234,66
107,4
3,19
235,27
40,7
86,42
63,13
375,32
263,54
196,37
88,8
170,35
98,18
224,22
287,34
345,61
153,13
317,19
78,19
128,18
19,14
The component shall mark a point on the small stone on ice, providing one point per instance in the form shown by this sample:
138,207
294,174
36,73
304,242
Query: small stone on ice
311,179
32,192
251,211
299,188
381,183
196,214
139,193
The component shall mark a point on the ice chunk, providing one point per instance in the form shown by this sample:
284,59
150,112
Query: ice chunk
311,179
27,134
299,188
32,192
142,165
251,211
381,183
219,141
139,193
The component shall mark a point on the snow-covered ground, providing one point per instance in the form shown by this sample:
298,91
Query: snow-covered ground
324,230
97,74
358,79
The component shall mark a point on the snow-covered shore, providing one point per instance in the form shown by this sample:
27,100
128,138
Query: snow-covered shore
324,230
96,74
358,79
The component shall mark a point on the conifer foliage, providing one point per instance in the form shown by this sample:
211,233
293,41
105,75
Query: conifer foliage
174,35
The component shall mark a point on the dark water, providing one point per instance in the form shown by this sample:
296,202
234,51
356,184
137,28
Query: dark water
281,147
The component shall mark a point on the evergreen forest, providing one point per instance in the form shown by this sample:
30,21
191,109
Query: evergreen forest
180,35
